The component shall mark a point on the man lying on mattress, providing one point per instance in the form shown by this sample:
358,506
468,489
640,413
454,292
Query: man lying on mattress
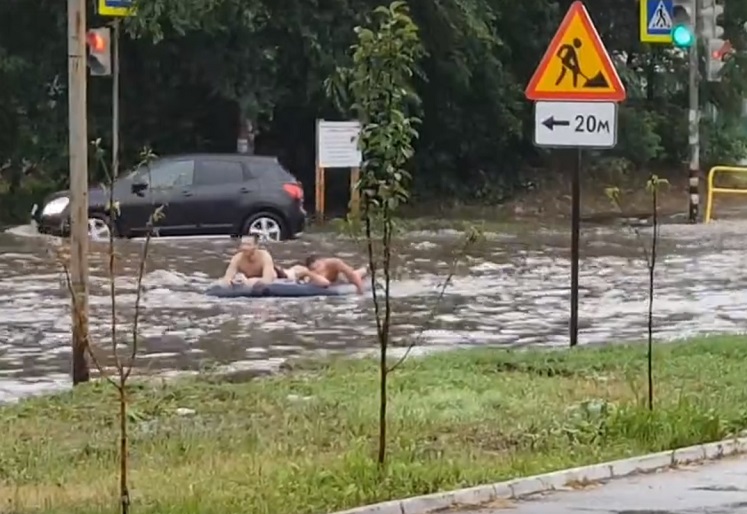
334,270
257,266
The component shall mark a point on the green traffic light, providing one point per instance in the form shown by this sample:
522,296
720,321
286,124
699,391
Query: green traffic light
682,36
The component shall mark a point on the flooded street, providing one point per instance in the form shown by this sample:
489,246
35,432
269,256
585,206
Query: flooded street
512,291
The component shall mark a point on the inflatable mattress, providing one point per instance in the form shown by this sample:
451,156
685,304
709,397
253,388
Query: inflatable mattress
278,290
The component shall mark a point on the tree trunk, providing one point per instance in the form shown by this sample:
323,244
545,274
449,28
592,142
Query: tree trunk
81,372
245,140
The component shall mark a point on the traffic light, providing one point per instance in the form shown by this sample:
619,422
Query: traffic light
99,46
683,28
712,17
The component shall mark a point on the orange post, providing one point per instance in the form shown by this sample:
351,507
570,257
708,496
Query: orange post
320,192
355,198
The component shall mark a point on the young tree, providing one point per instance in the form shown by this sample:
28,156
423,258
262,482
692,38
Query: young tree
123,364
653,185
378,86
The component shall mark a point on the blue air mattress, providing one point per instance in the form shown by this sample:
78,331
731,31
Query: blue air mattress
278,290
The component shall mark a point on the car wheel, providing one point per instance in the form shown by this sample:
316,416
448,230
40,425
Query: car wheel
266,225
99,226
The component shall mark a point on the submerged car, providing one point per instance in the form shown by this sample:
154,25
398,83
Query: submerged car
202,194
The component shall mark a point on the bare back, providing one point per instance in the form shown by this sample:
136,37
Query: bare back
329,269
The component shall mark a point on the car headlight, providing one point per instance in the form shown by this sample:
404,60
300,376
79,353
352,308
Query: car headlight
55,207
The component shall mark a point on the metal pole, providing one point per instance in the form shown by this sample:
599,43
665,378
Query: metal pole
575,243
694,120
115,105
76,19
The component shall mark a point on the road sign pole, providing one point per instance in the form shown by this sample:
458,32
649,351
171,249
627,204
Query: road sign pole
575,243
694,126
576,89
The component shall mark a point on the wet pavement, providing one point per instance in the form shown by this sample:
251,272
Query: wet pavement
718,487
511,291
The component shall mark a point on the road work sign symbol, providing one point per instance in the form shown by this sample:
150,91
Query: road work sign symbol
576,66
656,21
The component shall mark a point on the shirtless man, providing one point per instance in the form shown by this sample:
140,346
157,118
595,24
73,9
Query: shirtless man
253,262
257,266
333,269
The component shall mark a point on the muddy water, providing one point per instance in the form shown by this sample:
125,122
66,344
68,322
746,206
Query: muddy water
511,291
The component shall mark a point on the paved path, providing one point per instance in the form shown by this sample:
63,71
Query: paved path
713,488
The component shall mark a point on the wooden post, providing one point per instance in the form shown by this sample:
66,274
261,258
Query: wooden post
115,108
355,199
78,136
320,192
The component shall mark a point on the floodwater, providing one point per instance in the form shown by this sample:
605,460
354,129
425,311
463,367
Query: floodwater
511,291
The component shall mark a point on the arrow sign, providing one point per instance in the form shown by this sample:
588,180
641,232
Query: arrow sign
575,124
551,123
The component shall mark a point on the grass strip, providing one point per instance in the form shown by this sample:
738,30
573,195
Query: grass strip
304,442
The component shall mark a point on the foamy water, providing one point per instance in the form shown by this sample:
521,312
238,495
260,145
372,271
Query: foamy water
511,291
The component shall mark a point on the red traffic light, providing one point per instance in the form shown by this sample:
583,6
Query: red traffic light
723,52
96,41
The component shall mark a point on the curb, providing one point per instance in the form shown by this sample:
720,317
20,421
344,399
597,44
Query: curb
557,480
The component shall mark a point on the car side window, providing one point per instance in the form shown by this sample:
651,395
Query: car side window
171,174
262,168
215,172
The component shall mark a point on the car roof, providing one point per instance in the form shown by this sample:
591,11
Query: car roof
223,156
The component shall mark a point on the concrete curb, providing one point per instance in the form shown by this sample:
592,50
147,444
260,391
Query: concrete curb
520,487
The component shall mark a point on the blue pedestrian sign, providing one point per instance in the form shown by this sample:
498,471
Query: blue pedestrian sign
116,8
657,21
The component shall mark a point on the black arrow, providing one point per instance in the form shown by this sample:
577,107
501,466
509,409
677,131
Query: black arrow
551,123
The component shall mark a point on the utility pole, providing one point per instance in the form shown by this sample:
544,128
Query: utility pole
78,133
115,106
694,119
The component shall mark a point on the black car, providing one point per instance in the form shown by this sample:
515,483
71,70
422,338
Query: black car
203,194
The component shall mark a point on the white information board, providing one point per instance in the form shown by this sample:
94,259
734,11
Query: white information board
575,124
337,144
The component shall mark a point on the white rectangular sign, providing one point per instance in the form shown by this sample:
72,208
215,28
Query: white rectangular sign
575,124
337,144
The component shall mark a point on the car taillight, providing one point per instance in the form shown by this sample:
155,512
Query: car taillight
295,191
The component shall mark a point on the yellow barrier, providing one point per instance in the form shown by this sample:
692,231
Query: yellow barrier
711,190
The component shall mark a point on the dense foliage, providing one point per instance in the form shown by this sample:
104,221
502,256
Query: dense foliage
194,71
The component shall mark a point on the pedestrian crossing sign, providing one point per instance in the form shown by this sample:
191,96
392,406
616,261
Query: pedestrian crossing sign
116,8
576,66
656,21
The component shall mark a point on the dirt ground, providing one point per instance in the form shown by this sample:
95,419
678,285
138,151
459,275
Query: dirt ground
551,200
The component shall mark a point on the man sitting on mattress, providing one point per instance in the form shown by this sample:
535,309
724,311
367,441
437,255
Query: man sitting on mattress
252,265
334,270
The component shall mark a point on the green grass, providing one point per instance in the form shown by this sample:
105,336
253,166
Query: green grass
305,442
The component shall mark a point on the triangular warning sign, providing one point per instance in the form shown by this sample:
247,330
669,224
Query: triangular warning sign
576,66
660,20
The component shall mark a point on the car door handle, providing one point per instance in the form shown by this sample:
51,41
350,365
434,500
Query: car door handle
187,193
244,190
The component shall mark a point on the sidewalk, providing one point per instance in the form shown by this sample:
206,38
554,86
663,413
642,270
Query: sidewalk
718,487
